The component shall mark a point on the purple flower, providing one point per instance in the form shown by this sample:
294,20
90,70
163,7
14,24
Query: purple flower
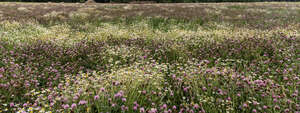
265,107
113,105
116,83
204,88
174,76
153,110
2,70
136,104
124,99
65,106
142,110
275,100
276,107
102,89
254,111
25,105
196,106
192,111
174,107
134,108
65,99
220,91
229,98
124,108
153,104
75,97
185,89
255,103
82,102
119,94
286,110
11,104
73,105
96,97
203,111
51,104
144,92
164,106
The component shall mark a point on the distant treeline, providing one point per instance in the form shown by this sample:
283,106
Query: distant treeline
147,1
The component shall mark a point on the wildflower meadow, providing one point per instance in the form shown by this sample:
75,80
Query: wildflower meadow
155,58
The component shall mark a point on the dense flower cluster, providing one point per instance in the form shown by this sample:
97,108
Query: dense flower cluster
138,68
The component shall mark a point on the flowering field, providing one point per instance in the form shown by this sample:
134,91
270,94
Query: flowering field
158,58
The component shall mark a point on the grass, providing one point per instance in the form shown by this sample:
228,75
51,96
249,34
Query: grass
216,57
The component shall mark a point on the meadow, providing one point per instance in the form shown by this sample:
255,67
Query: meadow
150,58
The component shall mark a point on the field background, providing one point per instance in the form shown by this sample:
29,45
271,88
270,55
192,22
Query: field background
185,57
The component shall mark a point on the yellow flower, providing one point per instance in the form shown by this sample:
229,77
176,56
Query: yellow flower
46,105
88,109
42,110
